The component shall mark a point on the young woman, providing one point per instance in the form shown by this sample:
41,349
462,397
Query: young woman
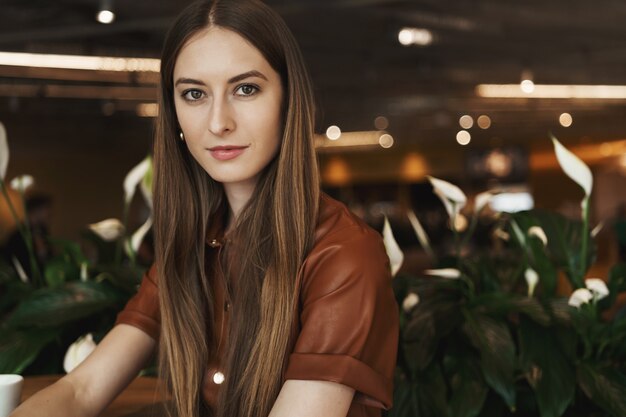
266,298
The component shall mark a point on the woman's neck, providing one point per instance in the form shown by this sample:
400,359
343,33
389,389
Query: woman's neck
238,196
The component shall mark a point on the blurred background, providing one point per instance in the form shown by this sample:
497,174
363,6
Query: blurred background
467,91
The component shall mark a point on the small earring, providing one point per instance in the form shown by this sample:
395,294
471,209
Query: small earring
182,137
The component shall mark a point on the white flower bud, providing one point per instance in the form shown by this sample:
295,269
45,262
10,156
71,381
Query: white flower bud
396,257
449,273
538,233
109,229
597,287
22,183
78,352
532,278
579,297
410,301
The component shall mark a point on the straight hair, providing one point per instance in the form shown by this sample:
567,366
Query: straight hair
273,233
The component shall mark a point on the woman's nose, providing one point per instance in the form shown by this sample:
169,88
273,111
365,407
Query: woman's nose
221,120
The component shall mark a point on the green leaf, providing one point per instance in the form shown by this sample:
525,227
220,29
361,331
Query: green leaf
430,392
605,386
59,270
402,401
127,278
616,284
497,353
547,369
436,315
70,250
52,307
18,349
502,304
564,240
468,387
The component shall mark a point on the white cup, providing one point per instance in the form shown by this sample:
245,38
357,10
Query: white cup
10,390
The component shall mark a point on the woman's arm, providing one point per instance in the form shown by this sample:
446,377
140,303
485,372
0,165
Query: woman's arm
88,389
299,398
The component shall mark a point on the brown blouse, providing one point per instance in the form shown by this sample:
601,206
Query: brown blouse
348,322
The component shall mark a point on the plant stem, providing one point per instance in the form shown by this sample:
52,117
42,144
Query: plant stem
584,239
24,230
28,240
120,242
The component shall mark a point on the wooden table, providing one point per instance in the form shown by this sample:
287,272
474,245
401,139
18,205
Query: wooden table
142,398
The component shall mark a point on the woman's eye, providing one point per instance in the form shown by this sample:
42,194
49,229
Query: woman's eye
192,95
246,90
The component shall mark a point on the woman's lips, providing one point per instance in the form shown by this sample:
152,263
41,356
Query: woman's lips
225,153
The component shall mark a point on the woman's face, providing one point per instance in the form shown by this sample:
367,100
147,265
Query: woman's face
228,103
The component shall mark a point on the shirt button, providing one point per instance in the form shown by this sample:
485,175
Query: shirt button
214,243
218,378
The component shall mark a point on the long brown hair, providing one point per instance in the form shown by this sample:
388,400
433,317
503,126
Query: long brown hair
274,232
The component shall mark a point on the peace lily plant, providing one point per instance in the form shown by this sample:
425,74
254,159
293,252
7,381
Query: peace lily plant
52,316
485,331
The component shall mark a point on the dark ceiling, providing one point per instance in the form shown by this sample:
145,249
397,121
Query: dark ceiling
359,68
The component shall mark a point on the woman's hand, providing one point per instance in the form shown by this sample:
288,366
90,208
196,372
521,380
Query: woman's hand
88,389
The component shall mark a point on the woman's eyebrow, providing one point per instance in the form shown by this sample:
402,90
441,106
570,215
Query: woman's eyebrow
236,78
249,74
188,81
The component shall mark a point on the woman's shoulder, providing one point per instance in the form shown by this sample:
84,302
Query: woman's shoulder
337,224
347,253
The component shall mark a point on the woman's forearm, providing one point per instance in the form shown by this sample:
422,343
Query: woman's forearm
58,400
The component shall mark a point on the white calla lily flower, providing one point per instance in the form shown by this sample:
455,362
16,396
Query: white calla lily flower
109,229
420,233
78,352
133,178
597,229
532,278
579,297
20,270
137,237
22,183
573,167
501,234
4,152
538,232
84,271
146,183
482,200
410,301
396,257
450,195
450,273
597,287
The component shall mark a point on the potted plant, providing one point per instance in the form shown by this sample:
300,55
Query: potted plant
70,296
487,334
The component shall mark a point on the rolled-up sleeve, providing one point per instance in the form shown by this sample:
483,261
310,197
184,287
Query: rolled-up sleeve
349,317
142,310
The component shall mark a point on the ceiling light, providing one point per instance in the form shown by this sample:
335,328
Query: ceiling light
463,137
147,110
386,140
381,123
333,133
80,62
608,92
565,120
105,12
415,36
484,122
466,121
364,140
526,84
